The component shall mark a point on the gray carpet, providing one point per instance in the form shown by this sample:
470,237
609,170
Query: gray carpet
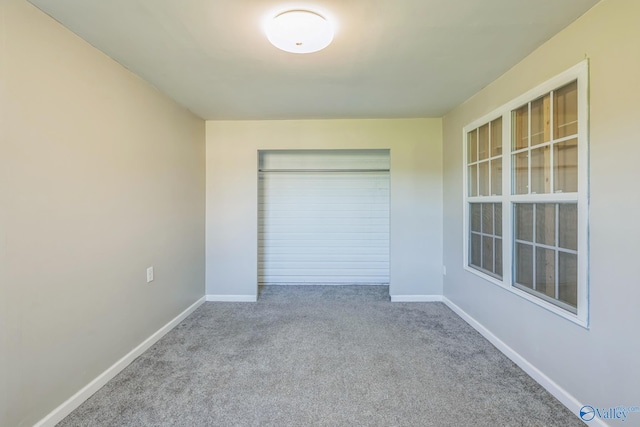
322,356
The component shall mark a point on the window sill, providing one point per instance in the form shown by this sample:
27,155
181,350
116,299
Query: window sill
582,322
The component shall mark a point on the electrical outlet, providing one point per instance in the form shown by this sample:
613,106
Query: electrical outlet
444,270
150,274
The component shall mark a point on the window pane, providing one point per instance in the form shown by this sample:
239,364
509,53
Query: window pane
476,216
487,253
540,170
498,256
542,141
565,172
565,107
487,218
496,137
496,177
524,265
568,278
484,179
473,180
483,142
472,146
524,221
540,121
568,226
476,243
521,173
546,223
546,271
497,213
520,122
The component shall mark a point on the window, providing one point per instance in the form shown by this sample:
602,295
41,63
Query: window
526,229
545,153
484,163
486,238
545,241
485,159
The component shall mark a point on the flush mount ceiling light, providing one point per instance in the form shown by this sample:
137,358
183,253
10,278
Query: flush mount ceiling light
299,31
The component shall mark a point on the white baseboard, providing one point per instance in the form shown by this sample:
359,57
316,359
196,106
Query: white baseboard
416,298
558,392
232,298
87,391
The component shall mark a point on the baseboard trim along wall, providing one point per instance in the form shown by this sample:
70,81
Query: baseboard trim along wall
87,391
558,392
416,298
232,298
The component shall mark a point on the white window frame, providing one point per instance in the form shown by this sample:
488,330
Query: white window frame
580,73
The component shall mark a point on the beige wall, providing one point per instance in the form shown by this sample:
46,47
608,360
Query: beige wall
416,194
102,176
598,366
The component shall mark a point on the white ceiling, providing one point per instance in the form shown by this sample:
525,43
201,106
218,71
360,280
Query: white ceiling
389,58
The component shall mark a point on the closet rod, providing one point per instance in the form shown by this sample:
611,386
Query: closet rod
323,170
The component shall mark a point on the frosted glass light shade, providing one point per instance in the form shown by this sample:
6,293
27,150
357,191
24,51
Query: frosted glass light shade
299,31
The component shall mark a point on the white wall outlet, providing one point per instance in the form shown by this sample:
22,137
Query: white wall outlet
444,270
150,274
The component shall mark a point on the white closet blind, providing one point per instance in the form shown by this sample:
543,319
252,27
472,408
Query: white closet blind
324,217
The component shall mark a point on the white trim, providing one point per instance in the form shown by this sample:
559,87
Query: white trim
584,177
486,276
87,391
416,298
580,73
544,198
232,298
550,307
551,386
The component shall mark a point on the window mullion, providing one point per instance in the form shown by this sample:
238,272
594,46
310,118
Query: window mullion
557,253
534,267
482,232
493,222
552,183
477,162
507,180
489,153
529,149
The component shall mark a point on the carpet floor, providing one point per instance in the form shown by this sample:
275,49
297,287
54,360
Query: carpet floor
322,356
